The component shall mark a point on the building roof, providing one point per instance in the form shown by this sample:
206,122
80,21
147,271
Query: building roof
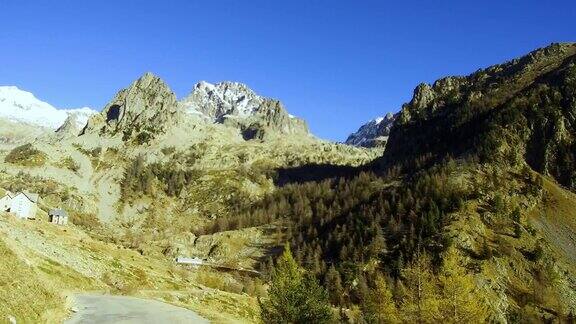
33,197
58,212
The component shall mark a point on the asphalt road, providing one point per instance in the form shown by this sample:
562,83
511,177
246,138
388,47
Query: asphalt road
103,309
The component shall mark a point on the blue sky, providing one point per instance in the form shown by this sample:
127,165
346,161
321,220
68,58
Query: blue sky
335,63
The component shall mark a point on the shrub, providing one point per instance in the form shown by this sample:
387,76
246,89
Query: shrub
69,164
26,155
87,221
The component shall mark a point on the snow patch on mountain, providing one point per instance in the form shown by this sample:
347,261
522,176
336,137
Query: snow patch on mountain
21,106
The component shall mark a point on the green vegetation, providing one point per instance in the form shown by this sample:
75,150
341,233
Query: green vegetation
69,163
26,155
294,297
514,113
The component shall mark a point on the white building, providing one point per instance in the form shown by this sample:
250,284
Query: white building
23,205
58,216
6,201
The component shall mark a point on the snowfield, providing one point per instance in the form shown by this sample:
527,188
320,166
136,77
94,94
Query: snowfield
23,107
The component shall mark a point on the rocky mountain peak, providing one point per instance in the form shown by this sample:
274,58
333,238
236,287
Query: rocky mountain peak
430,100
519,111
374,133
224,98
145,108
235,104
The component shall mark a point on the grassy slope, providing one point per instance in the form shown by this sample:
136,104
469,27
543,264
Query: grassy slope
47,262
23,295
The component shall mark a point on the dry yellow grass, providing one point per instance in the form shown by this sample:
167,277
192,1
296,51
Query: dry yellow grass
24,296
42,263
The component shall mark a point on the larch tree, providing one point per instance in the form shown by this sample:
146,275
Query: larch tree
460,302
379,306
419,291
294,297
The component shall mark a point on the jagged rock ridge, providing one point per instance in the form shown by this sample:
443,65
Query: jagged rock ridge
374,133
146,108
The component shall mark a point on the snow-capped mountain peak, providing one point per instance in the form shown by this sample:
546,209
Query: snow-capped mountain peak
373,133
235,104
220,99
21,106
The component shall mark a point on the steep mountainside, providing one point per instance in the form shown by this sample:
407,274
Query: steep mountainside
374,133
520,110
146,108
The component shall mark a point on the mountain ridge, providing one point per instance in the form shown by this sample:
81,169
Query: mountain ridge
485,112
22,106
374,133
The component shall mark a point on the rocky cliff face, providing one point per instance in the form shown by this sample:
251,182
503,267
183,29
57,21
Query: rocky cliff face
70,127
144,109
236,105
523,110
374,133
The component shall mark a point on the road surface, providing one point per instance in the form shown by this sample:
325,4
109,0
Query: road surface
104,309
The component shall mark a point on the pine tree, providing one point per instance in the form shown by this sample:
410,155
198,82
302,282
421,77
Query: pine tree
378,244
294,297
460,302
334,284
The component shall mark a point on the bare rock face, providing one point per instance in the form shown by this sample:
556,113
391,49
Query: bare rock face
70,127
226,98
374,133
236,105
143,110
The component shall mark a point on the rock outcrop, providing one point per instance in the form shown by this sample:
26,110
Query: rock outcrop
70,127
148,108
143,110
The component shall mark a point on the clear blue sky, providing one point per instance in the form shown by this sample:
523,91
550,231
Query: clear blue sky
335,63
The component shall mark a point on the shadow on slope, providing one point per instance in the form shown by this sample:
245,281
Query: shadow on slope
316,173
